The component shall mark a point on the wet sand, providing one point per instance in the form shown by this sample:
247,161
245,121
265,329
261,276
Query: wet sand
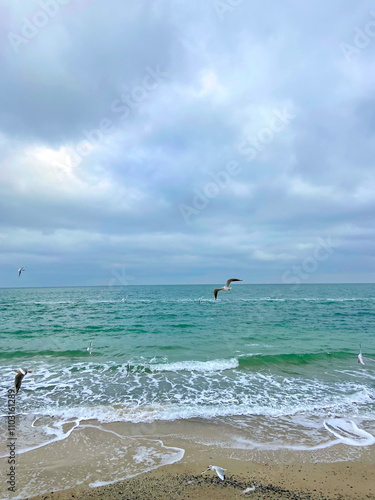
254,481
165,460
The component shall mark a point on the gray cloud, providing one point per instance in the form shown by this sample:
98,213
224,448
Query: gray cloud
182,143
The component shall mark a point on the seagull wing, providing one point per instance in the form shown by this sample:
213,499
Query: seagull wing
18,380
230,281
362,359
219,471
216,291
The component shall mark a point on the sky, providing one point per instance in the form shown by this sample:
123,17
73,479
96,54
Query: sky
186,142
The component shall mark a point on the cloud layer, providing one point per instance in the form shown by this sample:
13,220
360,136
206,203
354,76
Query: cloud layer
185,142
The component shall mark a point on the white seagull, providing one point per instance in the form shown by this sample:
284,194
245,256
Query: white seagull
225,287
219,471
89,348
20,271
362,359
19,377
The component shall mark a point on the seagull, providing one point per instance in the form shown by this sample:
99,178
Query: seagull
20,271
19,377
362,359
219,471
127,370
200,300
89,348
225,287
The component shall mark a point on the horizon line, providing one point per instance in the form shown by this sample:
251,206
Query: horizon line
185,284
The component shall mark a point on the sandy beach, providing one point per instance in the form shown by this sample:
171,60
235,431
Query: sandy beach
250,480
164,460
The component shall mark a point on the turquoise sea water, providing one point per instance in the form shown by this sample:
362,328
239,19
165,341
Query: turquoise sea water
280,356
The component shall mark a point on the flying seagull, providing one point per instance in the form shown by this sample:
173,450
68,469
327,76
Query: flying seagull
19,377
362,359
225,287
89,348
20,271
219,471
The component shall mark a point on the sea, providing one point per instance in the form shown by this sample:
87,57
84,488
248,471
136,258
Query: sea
277,364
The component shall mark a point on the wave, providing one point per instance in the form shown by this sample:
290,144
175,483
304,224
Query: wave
246,361
49,353
182,325
200,366
256,360
245,399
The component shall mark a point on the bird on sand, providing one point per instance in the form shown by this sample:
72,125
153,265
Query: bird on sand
225,288
219,471
362,359
20,271
19,377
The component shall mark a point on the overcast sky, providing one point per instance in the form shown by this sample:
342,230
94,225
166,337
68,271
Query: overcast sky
186,141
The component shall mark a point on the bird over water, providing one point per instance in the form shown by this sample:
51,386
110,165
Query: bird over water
225,288
19,377
363,359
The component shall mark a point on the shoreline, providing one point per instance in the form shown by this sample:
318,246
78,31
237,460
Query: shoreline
164,460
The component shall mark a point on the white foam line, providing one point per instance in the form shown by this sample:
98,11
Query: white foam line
46,443
346,435
135,437
271,447
165,461
87,426
203,366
